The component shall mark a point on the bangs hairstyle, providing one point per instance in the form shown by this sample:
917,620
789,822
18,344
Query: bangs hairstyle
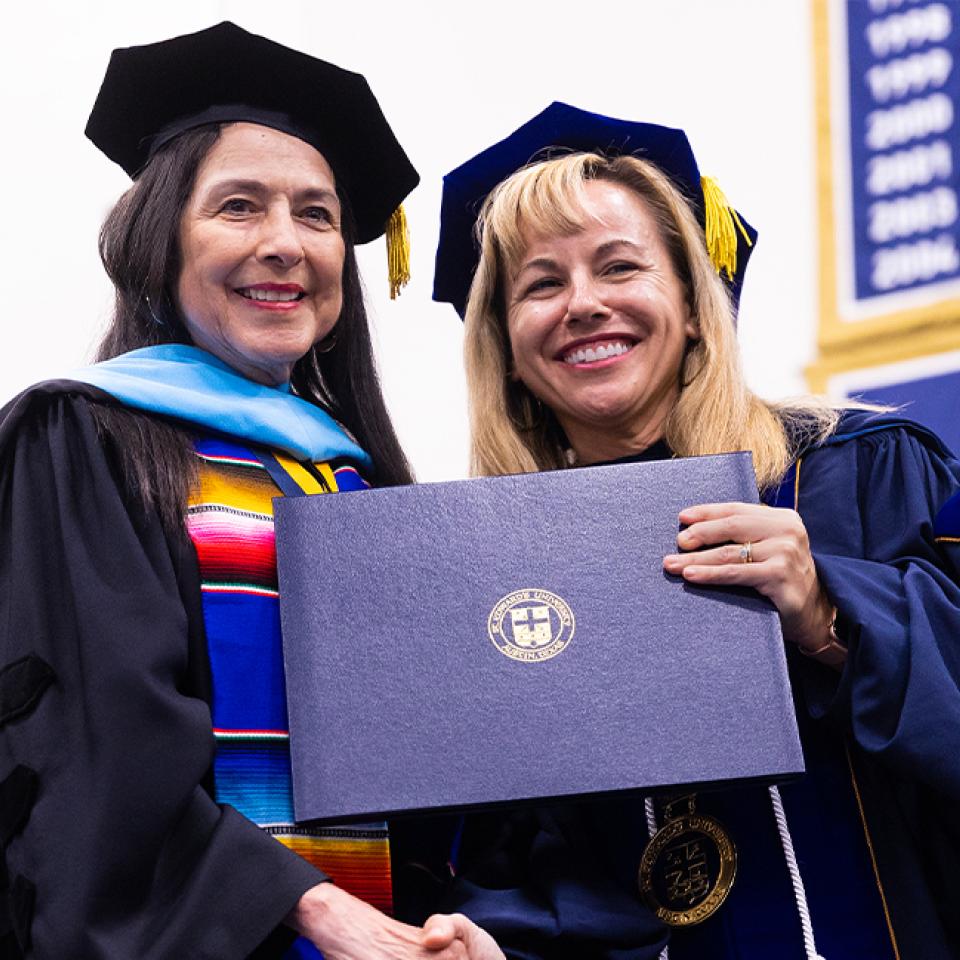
512,432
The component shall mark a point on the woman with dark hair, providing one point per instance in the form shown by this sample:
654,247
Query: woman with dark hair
145,797
599,287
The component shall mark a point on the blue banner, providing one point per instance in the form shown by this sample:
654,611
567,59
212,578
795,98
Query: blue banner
904,110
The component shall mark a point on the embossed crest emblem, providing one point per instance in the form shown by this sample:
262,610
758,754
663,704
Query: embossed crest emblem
688,867
531,625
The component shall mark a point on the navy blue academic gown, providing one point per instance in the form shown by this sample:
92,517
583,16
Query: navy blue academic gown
873,821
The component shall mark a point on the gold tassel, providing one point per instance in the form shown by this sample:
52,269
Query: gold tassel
720,219
398,251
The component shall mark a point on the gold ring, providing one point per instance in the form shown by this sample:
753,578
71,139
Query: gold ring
746,552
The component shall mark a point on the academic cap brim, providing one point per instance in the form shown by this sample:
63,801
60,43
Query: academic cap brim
154,92
559,129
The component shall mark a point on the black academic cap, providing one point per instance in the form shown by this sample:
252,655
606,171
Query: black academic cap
154,92
565,128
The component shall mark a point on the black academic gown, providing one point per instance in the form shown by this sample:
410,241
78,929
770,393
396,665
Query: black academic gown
561,882
113,845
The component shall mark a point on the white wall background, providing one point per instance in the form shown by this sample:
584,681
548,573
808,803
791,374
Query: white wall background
452,77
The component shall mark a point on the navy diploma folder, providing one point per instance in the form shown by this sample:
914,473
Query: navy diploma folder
460,644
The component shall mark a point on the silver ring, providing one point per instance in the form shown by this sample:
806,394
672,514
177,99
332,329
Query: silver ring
746,552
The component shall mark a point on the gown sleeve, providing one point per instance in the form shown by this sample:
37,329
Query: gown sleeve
538,883
869,505
113,848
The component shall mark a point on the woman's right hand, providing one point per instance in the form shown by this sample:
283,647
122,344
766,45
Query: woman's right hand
344,927
447,930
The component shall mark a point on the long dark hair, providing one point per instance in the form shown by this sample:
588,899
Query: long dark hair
140,250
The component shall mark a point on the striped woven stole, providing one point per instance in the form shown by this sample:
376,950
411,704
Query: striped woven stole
230,521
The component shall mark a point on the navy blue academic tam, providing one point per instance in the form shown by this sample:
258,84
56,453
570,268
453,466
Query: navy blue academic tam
557,130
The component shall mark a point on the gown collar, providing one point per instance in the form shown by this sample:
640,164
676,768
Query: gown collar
658,450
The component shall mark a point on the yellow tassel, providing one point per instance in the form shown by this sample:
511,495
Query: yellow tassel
719,227
398,251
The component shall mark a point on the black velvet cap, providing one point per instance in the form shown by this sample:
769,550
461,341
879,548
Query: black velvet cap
557,130
152,93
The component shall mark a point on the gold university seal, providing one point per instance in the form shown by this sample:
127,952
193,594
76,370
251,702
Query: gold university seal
688,867
530,625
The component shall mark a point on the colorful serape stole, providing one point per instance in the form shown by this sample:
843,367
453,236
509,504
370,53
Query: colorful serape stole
230,521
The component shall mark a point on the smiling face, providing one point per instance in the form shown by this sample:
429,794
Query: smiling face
599,323
262,252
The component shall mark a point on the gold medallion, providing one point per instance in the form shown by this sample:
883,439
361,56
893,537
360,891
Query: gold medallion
688,867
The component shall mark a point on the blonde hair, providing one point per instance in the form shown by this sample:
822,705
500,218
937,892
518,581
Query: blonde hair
715,412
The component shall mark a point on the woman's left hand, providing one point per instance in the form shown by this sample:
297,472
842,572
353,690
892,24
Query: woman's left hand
750,545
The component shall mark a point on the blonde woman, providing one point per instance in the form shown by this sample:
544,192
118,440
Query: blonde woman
600,301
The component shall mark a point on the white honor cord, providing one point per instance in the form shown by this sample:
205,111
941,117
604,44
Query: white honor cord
786,841
651,813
